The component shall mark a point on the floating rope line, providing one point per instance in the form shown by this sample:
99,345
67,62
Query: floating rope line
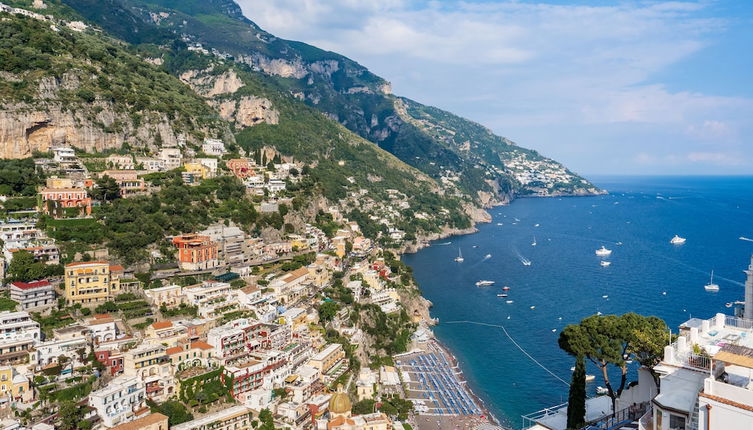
514,343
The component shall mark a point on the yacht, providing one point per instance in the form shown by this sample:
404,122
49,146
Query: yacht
509,302
526,262
603,251
711,286
487,256
505,288
534,241
677,240
459,258
502,295
484,283
605,263
601,390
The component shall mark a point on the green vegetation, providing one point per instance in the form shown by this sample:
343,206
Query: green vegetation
106,76
205,388
182,309
175,411
25,268
576,399
18,177
6,304
612,340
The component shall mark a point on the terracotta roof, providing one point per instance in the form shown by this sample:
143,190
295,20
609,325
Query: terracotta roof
29,285
727,402
116,268
101,316
736,354
200,345
340,421
159,325
250,289
82,263
174,350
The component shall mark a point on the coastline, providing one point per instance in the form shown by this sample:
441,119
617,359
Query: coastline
481,215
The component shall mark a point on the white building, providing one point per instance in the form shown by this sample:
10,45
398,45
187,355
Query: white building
706,377
117,402
49,352
18,326
213,147
36,295
14,230
64,155
172,158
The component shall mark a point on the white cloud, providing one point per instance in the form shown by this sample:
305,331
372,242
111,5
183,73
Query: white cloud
519,67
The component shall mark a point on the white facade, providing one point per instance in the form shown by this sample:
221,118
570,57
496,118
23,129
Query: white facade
213,147
116,403
49,352
64,155
172,158
16,326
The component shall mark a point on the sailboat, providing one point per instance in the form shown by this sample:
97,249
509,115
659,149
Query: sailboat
711,286
534,241
459,258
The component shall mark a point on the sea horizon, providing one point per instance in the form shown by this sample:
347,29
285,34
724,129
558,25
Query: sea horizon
486,355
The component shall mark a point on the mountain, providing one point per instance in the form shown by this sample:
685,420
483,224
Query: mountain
468,158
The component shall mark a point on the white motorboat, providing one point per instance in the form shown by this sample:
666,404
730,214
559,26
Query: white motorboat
711,286
487,256
534,241
526,262
509,302
605,263
503,295
533,307
677,240
590,378
484,283
603,251
459,258
601,390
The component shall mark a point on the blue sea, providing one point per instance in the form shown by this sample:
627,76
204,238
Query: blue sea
566,283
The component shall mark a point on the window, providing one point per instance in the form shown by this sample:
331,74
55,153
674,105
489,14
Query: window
676,422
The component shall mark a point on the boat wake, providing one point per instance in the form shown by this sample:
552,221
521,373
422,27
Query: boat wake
444,244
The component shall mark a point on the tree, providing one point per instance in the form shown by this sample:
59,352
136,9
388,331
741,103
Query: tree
107,189
612,339
24,267
576,399
72,416
328,310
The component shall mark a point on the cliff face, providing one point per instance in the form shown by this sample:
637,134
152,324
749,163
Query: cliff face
82,89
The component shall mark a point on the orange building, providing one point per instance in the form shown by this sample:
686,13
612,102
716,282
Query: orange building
195,252
240,167
56,199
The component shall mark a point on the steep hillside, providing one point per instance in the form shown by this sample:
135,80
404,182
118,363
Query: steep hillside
80,88
361,101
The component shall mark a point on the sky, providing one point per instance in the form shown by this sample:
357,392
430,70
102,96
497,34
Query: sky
606,87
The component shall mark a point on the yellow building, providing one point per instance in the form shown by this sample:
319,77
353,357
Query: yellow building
298,242
198,169
91,282
14,385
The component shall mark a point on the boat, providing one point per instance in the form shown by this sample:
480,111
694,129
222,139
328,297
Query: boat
728,305
677,240
499,223
605,296
509,302
526,262
590,378
711,286
459,258
534,241
487,256
505,288
533,307
536,225
484,283
601,390
605,263
603,251
554,330
502,295
618,243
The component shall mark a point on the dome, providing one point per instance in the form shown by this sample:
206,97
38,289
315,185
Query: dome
339,403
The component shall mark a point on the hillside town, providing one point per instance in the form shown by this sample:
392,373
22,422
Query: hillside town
225,328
